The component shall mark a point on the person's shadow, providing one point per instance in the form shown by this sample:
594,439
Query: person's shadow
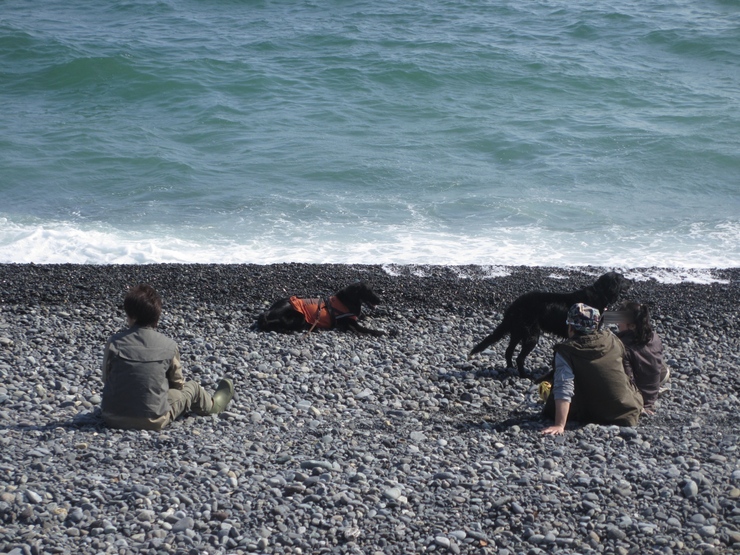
91,419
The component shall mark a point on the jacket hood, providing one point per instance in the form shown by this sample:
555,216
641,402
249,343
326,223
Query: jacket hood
590,346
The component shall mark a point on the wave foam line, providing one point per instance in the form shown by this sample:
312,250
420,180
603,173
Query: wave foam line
63,242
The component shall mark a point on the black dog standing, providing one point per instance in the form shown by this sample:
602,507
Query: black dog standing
537,311
339,311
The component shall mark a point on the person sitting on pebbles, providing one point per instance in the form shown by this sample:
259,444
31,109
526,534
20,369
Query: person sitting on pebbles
143,385
590,383
644,351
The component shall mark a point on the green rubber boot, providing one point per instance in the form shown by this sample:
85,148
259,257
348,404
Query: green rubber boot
224,393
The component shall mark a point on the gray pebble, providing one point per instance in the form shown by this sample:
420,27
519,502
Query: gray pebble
183,524
392,493
690,489
33,497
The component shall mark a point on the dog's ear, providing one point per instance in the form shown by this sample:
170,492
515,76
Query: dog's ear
611,285
622,283
369,295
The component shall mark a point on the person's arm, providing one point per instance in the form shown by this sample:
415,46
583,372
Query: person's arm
562,408
562,391
628,365
174,372
659,370
651,387
106,362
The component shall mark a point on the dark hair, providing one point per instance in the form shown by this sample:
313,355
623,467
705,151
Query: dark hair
639,315
143,304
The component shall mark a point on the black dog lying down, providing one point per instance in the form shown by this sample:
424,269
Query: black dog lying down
533,313
339,311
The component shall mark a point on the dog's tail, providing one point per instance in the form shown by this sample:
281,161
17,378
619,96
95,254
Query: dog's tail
500,331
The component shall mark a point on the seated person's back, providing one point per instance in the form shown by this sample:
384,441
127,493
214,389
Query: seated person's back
644,351
143,385
590,383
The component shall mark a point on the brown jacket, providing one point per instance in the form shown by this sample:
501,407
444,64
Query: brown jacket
140,365
646,364
604,393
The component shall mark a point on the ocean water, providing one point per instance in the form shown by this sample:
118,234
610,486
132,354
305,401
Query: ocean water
422,132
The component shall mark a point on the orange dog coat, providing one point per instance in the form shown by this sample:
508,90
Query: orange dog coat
321,313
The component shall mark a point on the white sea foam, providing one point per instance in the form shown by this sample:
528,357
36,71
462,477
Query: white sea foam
677,259
674,275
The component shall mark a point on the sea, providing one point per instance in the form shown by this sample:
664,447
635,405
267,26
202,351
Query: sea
425,132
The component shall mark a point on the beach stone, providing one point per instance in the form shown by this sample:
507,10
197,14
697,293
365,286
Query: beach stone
76,515
417,436
690,489
311,464
708,530
673,522
33,497
145,515
392,493
108,527
536,539
185,523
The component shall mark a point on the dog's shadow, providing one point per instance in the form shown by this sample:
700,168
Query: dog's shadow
500,374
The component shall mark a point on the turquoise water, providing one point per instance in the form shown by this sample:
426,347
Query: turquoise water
436,132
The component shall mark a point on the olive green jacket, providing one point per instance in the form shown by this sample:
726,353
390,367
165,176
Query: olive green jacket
140,365
604,393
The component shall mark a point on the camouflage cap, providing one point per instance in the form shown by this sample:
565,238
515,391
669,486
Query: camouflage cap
583,318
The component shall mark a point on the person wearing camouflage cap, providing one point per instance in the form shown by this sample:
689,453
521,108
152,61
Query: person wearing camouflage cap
583,318
590,383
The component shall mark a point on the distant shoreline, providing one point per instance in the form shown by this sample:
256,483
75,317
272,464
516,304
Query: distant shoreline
251,286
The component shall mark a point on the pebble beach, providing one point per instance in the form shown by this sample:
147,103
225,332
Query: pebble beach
343,443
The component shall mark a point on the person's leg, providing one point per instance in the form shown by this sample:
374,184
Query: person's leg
191,398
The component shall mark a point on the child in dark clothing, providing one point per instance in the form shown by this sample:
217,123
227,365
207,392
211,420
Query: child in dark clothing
644,351
143,385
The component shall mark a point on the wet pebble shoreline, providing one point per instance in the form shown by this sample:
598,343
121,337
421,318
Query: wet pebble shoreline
337,443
